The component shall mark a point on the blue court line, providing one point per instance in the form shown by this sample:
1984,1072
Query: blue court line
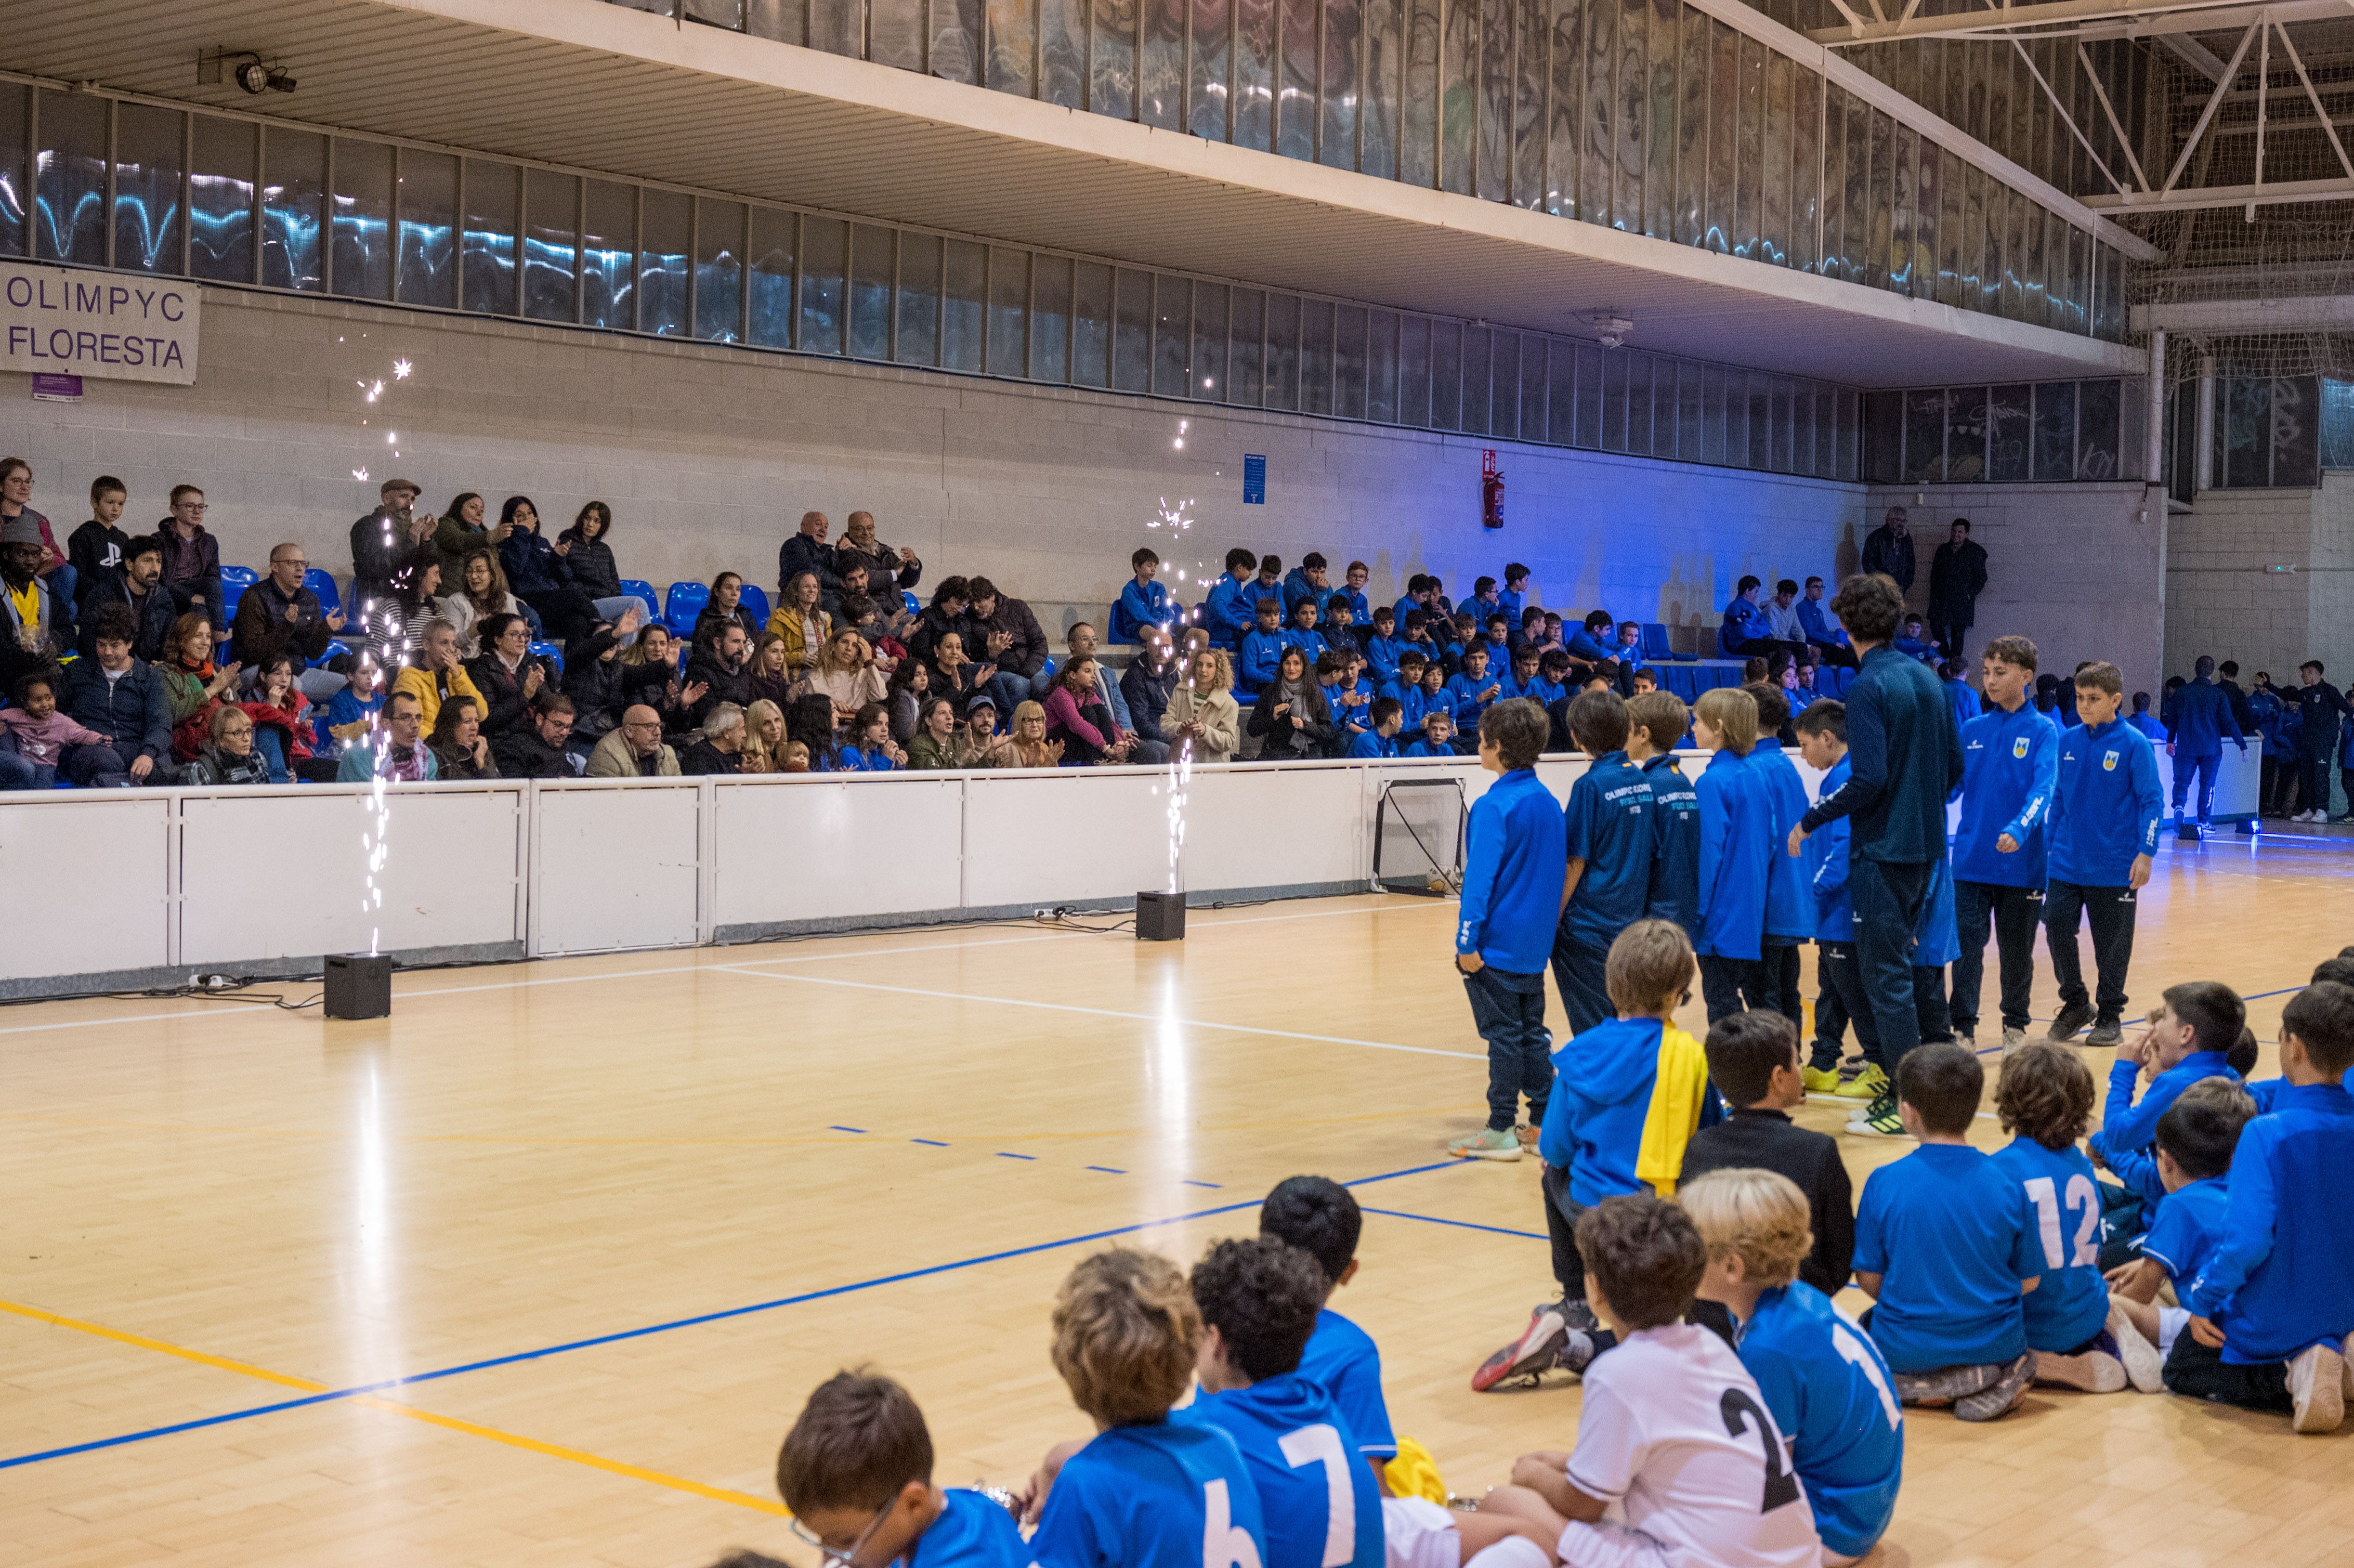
929,1142
1459,1225
1108,1169
1002,1155
857,1130
1186,1181
334,1395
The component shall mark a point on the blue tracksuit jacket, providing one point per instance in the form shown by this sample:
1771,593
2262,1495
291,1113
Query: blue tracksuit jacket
2106,805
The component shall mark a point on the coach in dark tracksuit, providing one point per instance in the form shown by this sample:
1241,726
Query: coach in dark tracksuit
1906,754
2319,707
2203,720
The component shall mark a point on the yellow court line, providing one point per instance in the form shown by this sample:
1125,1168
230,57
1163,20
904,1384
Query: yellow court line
376,1402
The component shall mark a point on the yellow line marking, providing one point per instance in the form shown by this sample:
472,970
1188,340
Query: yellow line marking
376,1402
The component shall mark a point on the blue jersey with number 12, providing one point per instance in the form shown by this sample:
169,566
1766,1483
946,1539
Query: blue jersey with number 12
2072,1301
1163,1495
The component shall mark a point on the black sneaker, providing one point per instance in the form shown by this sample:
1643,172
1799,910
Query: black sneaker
2072,1016
2106,1032
2003,1396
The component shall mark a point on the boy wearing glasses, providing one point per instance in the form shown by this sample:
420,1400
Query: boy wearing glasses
856,1470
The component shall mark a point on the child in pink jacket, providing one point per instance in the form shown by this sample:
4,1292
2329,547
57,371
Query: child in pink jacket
40,733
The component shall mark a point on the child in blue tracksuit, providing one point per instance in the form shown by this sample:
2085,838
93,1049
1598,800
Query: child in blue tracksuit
1628,651
1302,633
1381,741
1822,741
2279,1292
2045,1097
1655,722
1609,845
2192,1040
1958,692
2203,720
1790,914
1473,689
1262,652
1230,610
2189,1195
2105,807
1144,602
1406,687
1737,849
2010,754
1382,647
1511,898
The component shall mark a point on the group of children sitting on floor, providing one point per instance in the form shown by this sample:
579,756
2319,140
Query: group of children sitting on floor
1732,1414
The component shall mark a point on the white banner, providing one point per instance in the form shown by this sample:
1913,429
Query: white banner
68,322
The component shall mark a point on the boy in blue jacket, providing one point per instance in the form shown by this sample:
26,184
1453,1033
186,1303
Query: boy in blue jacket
1352,590
1790,914
2196,1137
2045,1097
1607,823
1514,599
1302,633
1656,721
2010,754
1602,1135
1307,581
1736,851
1380,741
1229,611
1822,741
1382,647
1262,651
2277,1298
1511,898
1144,603
1471,690
2105,808
2191,1039
1966,706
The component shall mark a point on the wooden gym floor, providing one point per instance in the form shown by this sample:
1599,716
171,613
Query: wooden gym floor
539,1270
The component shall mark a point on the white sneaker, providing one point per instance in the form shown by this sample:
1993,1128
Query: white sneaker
2012,1040
2145,1368
2317,1388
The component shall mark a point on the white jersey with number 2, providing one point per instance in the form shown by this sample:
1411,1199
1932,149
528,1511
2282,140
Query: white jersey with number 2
1672,1430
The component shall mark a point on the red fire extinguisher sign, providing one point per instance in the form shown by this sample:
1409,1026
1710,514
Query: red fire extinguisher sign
1492,492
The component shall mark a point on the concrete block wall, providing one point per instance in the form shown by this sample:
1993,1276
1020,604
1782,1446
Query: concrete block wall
2075,568
2228,601
708,456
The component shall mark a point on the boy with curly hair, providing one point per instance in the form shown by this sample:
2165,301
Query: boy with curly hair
2045,1096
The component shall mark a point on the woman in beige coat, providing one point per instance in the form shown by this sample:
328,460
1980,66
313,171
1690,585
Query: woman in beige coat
1203,710
846,673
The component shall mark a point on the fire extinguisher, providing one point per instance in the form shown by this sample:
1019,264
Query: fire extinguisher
1492,492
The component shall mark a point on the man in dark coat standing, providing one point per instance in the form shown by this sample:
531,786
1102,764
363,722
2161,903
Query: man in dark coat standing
1888,550
1957,575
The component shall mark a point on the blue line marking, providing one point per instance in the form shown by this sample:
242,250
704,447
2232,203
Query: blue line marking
332,1395
856,1129
1215,1185
1108,1170
1002,1155
929,1142
1459,1225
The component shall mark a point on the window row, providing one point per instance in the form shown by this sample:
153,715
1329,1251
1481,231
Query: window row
2031,432
234,201
1645,116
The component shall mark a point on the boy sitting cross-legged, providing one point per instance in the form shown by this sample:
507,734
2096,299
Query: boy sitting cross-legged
1822,1381
2045,1096
1946,1245
2196,1139
856,1470
2279,1292
1628,1097
1146,1491
1753,1060
1320,1217
1673,1429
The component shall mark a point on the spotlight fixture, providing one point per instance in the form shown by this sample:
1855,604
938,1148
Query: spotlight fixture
1609,327
257,78
246,69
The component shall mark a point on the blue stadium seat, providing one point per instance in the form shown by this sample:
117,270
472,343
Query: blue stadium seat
685,601
323,583
552,653
914,605
235,580
644,590
1656,646
337,649
757,601
1679,678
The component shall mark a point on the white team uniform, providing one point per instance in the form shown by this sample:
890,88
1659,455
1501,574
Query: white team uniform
1674,1434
